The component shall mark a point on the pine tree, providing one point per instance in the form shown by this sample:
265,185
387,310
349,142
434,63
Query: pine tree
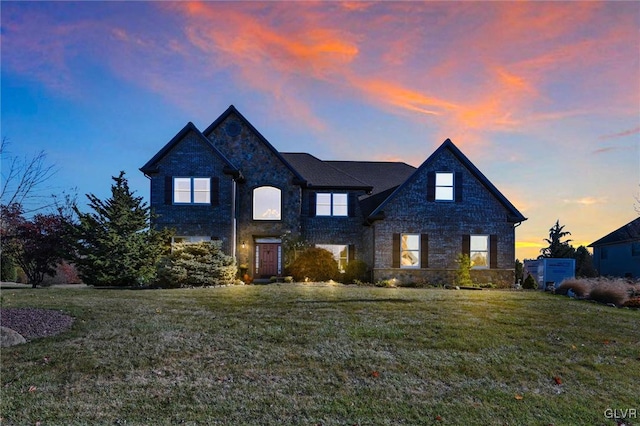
558,248
115,245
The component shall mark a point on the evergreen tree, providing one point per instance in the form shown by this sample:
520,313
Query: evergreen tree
115,245
558,248
584,263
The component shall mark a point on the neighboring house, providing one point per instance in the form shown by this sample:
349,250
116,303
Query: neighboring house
406,223
618,254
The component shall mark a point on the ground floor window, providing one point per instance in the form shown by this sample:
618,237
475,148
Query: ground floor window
410,251
340,253
479,253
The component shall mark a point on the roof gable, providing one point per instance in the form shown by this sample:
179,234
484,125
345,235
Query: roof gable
232,110
626,233
514,215
151,165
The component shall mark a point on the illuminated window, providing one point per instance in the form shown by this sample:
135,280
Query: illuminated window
267,203
191,190
329,204
444,186
479,254
340,254
410,251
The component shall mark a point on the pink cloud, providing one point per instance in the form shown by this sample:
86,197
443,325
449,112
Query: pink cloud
622,134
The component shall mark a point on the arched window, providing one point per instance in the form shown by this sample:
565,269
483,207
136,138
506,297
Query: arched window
267,203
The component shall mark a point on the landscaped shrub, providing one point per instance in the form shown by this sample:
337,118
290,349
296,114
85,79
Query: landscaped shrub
611,291
314,264
356,270
463,273
530,283
9,272
197,265
581,288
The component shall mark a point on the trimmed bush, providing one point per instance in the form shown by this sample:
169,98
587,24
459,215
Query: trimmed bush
314,264
356,270
530,283
197,265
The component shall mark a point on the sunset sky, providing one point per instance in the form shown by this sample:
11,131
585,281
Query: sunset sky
543,97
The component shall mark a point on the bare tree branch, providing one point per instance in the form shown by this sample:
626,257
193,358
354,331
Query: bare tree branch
23,179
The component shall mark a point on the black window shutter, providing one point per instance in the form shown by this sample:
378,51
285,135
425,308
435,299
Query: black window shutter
215,191
493,251
353,200
457,181
431,186
351,252
168,190
424,251
395,247
466,244
312,204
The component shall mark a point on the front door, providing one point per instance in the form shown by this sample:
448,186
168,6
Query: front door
268,259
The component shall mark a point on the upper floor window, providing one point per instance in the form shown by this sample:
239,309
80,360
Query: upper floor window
191,190
330,204
267,203
444,186
479,251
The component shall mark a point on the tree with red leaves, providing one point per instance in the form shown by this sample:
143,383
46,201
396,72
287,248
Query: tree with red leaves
37,245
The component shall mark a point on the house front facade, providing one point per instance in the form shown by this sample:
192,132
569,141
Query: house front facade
410,224
617,254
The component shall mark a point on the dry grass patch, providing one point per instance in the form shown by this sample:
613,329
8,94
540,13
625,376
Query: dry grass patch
294,354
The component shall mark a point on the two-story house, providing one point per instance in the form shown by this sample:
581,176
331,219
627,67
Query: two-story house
229,183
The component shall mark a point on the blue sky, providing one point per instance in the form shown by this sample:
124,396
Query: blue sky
543,97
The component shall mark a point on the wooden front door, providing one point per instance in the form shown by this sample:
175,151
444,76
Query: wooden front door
268,259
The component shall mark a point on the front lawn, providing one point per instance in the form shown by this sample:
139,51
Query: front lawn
304,354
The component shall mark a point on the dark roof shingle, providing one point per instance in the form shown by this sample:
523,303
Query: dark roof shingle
626,233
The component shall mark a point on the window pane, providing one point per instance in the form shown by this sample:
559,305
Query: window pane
182,184
266,203
479,242
182,190
323,204
479,259
340,205
444,193
201,192
444,179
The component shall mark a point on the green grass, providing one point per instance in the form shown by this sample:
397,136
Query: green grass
295,354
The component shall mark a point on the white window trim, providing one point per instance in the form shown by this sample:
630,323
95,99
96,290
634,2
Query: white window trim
487,251
255,214
332,204
452,186
419,254
192,190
